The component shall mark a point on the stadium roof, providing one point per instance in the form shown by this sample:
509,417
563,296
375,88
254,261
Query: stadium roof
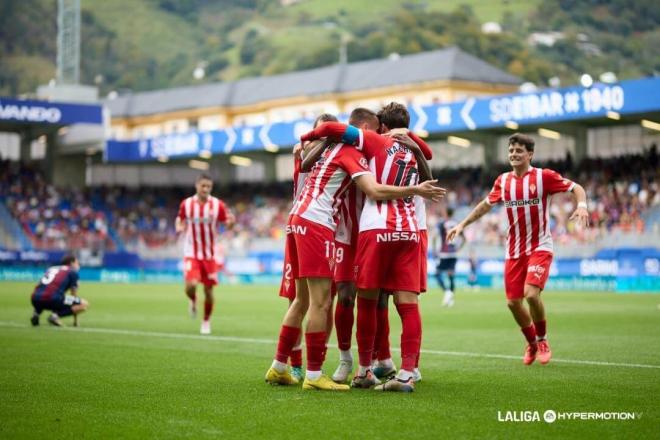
444,64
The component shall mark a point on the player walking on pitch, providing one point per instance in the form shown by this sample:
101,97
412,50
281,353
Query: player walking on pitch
198,217
526,192
447,253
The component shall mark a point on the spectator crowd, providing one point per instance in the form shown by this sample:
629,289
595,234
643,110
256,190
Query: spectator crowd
620,191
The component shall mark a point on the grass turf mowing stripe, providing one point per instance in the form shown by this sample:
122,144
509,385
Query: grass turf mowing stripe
272,341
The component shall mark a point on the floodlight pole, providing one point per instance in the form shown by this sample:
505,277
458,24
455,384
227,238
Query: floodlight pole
68,41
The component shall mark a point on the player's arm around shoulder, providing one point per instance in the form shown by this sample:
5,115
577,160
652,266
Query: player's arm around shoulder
311,153
377,191
332,130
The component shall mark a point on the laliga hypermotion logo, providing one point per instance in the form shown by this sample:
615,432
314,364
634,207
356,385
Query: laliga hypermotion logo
551,416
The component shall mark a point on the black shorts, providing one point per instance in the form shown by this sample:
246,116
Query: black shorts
447,264
60,306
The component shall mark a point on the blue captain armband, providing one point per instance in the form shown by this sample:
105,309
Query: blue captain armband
351,135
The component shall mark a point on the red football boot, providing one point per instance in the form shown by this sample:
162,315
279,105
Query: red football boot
544,354
530,354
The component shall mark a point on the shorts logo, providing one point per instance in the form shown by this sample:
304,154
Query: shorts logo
537,270
287,284
296,229
397,236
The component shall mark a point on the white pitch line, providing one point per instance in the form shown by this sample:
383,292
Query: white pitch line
272,341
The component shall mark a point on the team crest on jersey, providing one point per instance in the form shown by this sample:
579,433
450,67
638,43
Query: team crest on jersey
532,188
364,163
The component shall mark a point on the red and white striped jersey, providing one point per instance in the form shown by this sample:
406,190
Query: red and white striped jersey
420,205
348,216
527,203
392,164
326,184
201,226
420,212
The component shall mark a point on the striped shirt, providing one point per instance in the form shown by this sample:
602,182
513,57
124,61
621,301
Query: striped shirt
390,162
202,226
527,203
393,164
326,184
348,221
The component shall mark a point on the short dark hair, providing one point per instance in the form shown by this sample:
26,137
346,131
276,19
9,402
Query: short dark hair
204,176
324,117
361,115
522,139
67,259
394,115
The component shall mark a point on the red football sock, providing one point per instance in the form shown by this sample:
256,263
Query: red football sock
540,329
383,334
208,309
530,334
315,350
344,324
296,357
288,338
366,329
411,334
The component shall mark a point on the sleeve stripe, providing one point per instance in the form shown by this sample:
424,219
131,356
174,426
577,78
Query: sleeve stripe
359,173
351,135
570,188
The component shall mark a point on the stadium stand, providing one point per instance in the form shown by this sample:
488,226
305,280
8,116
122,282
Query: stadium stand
623,193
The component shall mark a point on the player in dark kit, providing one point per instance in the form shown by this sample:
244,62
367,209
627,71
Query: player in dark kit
50,293
447,253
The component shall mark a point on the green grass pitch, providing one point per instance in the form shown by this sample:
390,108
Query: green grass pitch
137,368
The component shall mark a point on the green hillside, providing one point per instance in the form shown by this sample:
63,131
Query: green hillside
151,44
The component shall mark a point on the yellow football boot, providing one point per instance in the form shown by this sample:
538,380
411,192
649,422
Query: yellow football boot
274,377
324,383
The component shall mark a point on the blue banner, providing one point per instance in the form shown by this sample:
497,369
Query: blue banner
623,270
547,106
46,112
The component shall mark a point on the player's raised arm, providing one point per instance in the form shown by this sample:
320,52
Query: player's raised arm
376,191
312,154
422,164
581,213
335,131
479,211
